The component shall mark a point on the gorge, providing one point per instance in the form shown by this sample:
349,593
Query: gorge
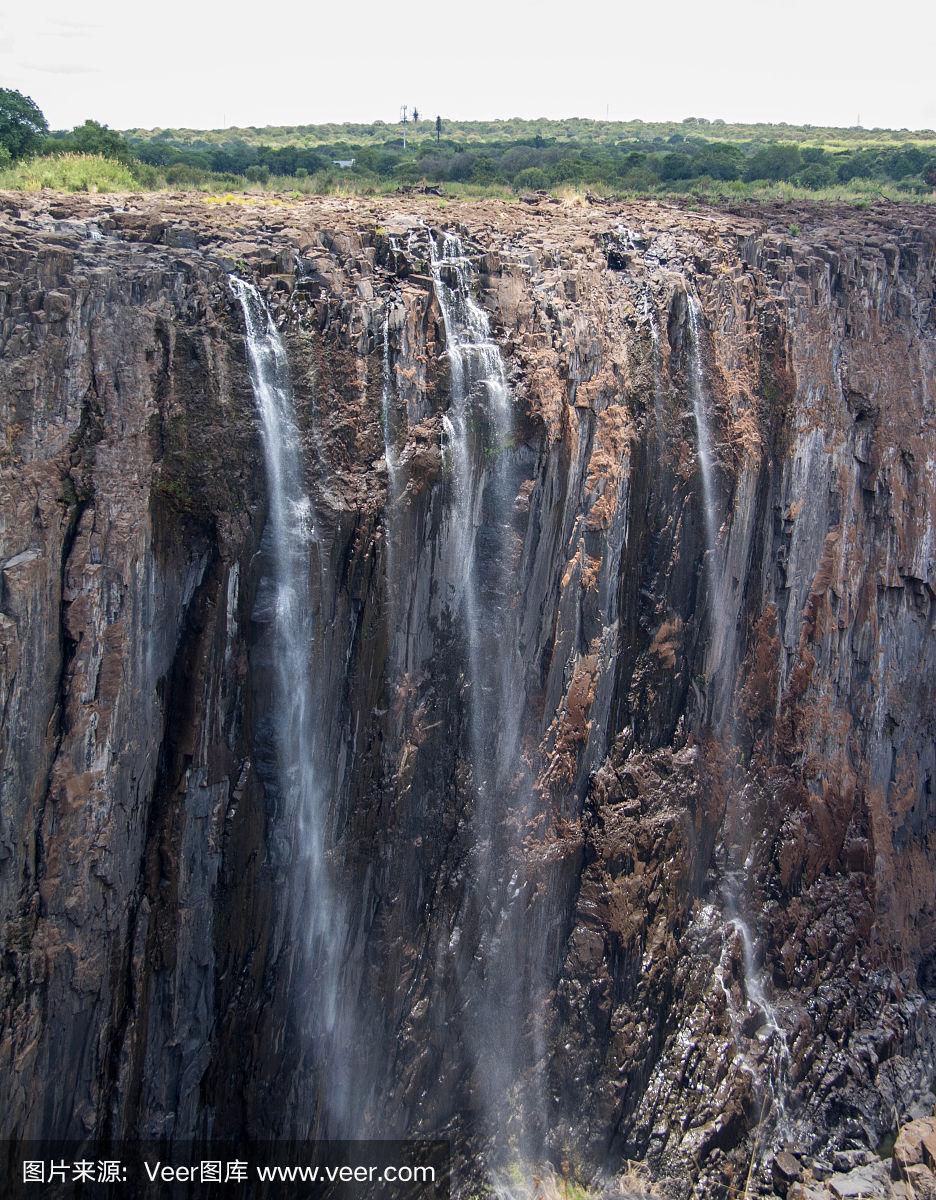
468,670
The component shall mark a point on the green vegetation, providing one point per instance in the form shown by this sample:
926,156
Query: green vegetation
702,160
68,173
22,125
577,129
91,138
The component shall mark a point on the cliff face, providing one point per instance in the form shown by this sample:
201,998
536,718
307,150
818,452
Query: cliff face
627,766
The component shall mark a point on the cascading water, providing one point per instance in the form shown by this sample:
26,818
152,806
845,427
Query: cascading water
703,441
392,460
286,602
656,360
290,533
478,436
719,662
483,557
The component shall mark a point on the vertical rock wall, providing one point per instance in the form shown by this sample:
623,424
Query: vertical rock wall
151,903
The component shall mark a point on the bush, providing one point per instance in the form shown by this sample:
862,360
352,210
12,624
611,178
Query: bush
719,161
774,162
69,173
816,176
676,166
186,175
863,164
533,179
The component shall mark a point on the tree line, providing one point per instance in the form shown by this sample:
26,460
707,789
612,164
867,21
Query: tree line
541,163
627,158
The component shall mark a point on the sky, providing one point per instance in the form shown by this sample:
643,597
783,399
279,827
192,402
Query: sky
203,64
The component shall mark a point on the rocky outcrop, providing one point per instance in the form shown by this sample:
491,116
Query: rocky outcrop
705,897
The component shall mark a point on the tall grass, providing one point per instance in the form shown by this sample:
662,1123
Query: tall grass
69,173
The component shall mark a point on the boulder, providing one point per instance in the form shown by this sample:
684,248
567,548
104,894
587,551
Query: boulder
784,1171
909,1148
862,1183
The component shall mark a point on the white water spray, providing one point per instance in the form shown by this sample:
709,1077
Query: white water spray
504,982
656,363
392,460
478,431
703,439
288,538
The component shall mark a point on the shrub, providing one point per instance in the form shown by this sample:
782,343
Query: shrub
183,174
676,166
532,179
719,161
816,176
775,162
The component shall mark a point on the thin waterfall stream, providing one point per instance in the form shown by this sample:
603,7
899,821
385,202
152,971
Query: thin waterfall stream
478,447
290,532
288,604
719,656
703,443
478,435
392,460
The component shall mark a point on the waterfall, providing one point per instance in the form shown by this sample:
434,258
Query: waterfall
505,972
703,437
290,533
288,603
719,657
392,460
478,437
720,661
656,363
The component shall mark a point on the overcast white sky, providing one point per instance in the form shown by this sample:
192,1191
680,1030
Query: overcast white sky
207,64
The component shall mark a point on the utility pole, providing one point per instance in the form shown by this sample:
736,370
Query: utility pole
403,122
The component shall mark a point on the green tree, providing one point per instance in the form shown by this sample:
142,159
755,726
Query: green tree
815,176
94,138
719,160
531,179
22,125
775,161
676,166
860,164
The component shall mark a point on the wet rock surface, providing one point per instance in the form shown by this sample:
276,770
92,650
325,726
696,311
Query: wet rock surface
758,712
